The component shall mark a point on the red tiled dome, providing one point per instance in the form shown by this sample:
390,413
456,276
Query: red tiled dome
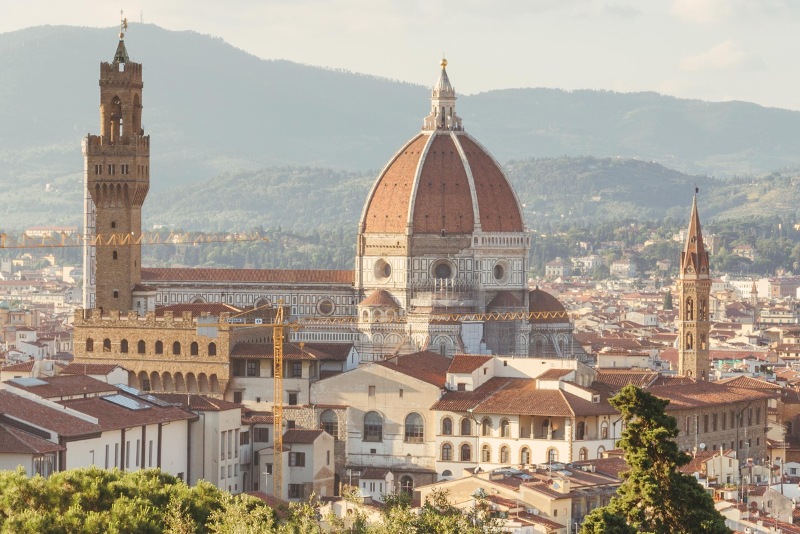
433,183
379,298
552,310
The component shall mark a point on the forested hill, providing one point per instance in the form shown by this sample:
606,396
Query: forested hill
584,190
212,108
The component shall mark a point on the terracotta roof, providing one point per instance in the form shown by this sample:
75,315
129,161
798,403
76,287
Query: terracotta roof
430,367
612,466
374,473
461,401
379,298
65,386
619,379
162,274
197,402
443,192
700,394
197,309
111,416
255,418
299,436
554,374
521,396
551,310
504,299
90,368
23,367
43,416
14,441
748,382
467,363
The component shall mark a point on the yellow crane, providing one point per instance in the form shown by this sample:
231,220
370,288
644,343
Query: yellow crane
280,324
65,240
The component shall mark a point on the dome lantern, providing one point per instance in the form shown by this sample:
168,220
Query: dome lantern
443,104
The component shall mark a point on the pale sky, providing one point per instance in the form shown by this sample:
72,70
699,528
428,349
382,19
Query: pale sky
707,49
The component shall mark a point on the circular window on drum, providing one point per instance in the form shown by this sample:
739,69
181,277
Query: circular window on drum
442,270
382,270
325,307
501,272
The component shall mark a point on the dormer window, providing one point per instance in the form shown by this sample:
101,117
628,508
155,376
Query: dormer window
595,399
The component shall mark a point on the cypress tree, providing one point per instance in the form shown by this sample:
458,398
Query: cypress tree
668,300
654,498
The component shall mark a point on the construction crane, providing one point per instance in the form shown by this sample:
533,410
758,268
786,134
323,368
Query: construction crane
280,323
66,240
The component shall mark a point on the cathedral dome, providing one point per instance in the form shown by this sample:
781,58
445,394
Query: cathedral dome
442,180
548,307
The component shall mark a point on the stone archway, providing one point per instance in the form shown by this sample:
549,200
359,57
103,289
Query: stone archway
202,383
144,381
167,383
191,383
133,380
180,384
214,382
155,382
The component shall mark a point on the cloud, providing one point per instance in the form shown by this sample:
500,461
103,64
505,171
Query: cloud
725,56
616,9
710,11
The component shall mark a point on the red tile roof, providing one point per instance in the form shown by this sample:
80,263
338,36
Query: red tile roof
14,441
211,308
521,396
430,367
748,382
619,379
23,367
379,298
197,402
112,416
247,275
467,363
548,306
90,368
461,401
700,394
374,473
554,374
310,351
300,436
65,386
43,416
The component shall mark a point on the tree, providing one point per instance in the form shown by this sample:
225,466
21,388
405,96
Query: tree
601,272
654,498
667,300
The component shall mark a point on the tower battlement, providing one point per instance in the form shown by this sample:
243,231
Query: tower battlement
120,73
138,145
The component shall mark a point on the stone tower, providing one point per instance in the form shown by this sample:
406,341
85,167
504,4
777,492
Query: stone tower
117,178
694,284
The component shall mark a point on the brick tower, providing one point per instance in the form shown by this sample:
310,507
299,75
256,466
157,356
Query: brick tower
694,284
117,178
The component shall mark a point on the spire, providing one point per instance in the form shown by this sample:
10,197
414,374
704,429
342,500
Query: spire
121,55
443,104
694,259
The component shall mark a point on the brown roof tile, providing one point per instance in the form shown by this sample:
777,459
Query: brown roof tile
162,274
548,307
66,386
554,374
14,441
461,401
112,416
23,367
44,416
380,298
301,436
467,363
89,368
701,393
427,366
197,402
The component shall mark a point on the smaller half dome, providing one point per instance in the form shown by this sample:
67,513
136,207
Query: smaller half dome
547,307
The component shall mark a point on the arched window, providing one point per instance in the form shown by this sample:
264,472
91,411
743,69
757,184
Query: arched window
373,427
580,430
702,342
600,451
89,344
486,454
447,452
212,349
689,341
525,456
505,428
123,346
466,427
447,426
329,423
466,453
486,427
106,345
407,485
552,456
415,428
140,346
447,473
159,347
689,309
505,455
176,348
702,310
582,455
194,350
604,430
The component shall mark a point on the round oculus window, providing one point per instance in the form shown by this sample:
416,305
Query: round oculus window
382,270
325,307
442,271
499,272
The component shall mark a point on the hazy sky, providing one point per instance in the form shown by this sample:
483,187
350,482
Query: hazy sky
706,49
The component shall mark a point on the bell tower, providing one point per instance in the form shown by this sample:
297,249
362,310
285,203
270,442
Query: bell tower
117,178
694,284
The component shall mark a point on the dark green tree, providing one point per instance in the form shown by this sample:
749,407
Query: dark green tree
654,498
668,300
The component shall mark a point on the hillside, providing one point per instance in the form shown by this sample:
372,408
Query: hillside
214,109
